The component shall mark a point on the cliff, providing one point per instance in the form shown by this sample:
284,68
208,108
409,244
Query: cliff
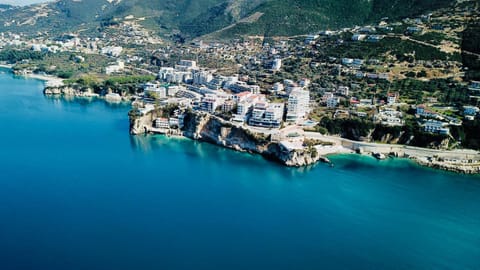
69,91
206,127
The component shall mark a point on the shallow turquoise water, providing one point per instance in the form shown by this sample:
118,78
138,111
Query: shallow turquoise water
77,192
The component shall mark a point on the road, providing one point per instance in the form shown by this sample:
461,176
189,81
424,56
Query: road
401,149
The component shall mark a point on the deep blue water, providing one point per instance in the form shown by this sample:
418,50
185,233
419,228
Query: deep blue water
77,192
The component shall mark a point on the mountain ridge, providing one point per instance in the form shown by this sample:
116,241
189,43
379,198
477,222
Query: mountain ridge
193,18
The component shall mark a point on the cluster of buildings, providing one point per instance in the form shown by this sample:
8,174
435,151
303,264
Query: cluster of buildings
434,122
230,95
389,117
205,90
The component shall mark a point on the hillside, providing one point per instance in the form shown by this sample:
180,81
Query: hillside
471,50
70,15
199,17
292,17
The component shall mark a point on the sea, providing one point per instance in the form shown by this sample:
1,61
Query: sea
78,192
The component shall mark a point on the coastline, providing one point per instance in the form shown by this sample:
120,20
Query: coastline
464,161
6,66
50,81
460,160
327,152
292,153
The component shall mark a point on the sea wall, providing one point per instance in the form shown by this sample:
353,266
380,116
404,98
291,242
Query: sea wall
206,127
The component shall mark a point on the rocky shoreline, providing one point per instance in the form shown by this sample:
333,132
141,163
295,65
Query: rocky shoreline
459,161
69,91
208,128
456,168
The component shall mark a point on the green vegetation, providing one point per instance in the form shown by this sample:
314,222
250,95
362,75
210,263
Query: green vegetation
471,44
434,38
292,17
13,56
352,129
403,50
411,134
405,8
447,91
117,84
195,18
470,134
65,64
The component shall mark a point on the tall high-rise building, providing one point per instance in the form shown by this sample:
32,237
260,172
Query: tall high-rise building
298,105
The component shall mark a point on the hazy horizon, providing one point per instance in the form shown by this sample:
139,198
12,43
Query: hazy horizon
22,2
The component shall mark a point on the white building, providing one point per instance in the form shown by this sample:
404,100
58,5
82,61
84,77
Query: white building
243,108
209,103
119,67
202,77
332,102
164,72
187,64
178,77
359,37
176,122
174,89
438,127
267,115
245,105
162,123
154,90
112,51
277,87
343,90
277,64
311,39
392,98
240,86
298,105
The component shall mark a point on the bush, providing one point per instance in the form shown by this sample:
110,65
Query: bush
348,128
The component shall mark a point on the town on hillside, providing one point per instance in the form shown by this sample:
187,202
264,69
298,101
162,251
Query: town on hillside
397,82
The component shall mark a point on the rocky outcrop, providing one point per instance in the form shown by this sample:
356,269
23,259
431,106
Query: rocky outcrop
206,127
140,124
451,167
69,91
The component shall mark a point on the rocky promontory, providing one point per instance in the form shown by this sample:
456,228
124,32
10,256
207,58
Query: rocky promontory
69,91
209,128
72,91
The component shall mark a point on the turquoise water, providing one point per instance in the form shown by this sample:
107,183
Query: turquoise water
77,192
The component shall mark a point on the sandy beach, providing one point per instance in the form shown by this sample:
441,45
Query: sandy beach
6,66
50,81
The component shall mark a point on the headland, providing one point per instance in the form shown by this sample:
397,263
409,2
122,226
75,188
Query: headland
291,145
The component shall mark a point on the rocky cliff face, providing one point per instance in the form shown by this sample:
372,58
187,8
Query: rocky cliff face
69,91
140,124
205,127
